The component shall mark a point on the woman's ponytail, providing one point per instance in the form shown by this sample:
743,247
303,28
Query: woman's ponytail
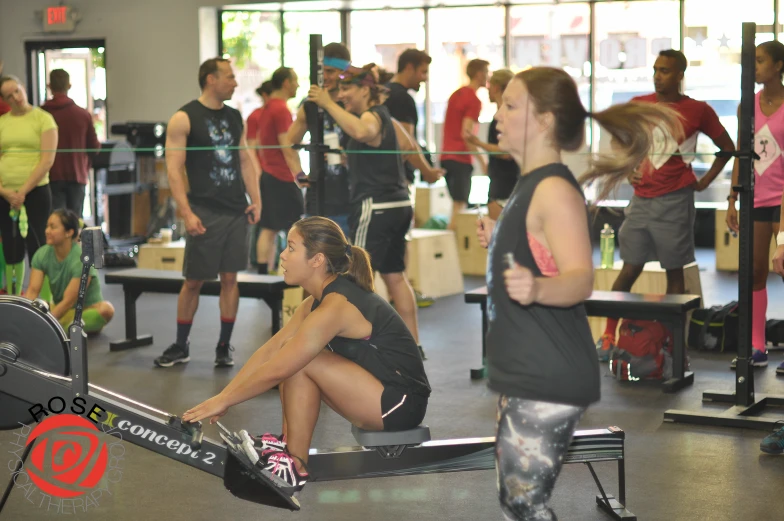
359,269
635,128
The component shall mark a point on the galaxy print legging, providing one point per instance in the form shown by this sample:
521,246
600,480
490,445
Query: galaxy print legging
531,441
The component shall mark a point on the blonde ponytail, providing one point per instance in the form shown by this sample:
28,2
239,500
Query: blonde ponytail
632,127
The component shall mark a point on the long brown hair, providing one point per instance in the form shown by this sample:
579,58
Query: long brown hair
322,235
631,125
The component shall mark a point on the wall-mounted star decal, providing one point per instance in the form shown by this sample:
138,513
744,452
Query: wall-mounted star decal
724,41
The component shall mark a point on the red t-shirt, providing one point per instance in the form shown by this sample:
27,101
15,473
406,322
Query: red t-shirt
253,128
664,172
4,107
463,103
274,120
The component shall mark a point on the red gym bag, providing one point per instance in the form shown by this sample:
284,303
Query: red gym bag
643,351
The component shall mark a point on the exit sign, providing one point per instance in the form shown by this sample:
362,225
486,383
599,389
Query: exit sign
58,19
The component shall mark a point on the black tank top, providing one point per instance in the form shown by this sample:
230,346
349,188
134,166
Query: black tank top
380,176
535,352
390,353
215,176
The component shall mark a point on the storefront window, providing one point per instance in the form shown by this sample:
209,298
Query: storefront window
298,26
251,40
381,36
628,38
457,36
555,36
712,44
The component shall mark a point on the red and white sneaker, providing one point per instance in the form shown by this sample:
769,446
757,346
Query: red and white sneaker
279,467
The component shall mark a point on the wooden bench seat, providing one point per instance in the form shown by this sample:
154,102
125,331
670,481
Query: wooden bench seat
268,288
671,310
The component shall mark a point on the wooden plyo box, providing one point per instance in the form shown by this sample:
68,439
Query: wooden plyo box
433,268
430,201
473,258
164,256
653,279
728,247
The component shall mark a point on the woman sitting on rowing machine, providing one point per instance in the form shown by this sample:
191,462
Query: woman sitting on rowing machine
344,345
60,261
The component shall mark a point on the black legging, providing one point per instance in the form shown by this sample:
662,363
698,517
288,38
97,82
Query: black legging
38,204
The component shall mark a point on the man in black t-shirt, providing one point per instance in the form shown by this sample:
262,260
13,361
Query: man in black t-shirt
221,175
413,66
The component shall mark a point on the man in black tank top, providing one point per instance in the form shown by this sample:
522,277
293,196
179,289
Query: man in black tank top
221,175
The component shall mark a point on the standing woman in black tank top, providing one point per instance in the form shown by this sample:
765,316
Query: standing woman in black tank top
541,358
381,206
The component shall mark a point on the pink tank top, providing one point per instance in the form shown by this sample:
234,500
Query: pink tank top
543,257
768,143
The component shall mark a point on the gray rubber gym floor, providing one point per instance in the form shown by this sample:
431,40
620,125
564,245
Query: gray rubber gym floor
674,471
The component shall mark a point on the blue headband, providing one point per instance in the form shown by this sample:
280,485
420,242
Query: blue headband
337,63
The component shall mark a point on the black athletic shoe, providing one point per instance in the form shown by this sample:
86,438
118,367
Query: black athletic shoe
174,354
223,356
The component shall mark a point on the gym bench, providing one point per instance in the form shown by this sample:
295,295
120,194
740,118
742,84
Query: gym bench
671,310
268,288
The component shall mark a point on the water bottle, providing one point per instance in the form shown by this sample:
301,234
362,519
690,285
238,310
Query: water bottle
607,246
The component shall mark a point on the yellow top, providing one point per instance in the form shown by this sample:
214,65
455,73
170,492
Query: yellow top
20,145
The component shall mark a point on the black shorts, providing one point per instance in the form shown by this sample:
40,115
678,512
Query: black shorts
222,248
402,411
282,203
458,179
767,214
381,231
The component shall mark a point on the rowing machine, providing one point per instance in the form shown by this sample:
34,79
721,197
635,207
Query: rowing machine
39,364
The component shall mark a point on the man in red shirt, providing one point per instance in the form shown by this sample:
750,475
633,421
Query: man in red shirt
659,221
282,203
70,171
462,117
4,107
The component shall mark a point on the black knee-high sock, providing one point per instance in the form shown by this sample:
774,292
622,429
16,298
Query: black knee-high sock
263,270
183,331
227,326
